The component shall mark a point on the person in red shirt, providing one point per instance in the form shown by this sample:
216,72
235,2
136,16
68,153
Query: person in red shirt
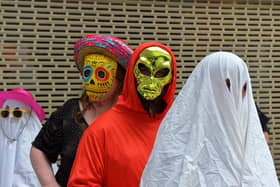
114,150
102,62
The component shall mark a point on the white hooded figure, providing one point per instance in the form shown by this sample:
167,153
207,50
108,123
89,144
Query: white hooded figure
20,121
212,136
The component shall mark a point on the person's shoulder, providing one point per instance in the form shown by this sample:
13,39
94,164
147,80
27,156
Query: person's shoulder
71,101
69,104
103,123
65,107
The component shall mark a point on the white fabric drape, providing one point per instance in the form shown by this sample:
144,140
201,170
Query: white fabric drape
212,136
16,136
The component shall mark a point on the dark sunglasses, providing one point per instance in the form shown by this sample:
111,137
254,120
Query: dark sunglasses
16,113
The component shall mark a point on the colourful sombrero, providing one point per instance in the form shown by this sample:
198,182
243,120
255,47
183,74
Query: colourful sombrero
112,47
25,97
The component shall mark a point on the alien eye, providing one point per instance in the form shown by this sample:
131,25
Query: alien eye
162,73
144,70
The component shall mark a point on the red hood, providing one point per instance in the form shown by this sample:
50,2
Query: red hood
119,142
129,98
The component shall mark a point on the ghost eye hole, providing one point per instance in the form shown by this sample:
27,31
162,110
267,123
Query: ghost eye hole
162,72
228,84
144,69
245,87
244,90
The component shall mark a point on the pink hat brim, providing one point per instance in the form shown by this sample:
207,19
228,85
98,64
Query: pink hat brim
25,97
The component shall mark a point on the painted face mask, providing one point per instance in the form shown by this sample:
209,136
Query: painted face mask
153,71
99,72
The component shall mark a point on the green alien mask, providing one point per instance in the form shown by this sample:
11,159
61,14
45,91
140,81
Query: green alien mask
153,70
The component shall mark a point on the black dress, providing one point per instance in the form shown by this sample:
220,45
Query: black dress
60,136
263,119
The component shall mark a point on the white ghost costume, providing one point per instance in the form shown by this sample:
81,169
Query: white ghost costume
16,136
212,136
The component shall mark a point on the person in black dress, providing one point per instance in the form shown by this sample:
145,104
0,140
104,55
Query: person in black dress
264,122
102,62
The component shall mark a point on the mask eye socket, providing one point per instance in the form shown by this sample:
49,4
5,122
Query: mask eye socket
162,73
144,70
101,74
87,73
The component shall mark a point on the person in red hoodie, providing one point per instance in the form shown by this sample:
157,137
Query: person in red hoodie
114,150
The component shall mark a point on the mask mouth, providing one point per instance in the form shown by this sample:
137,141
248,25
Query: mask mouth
99,91
148,93
152,91
150,88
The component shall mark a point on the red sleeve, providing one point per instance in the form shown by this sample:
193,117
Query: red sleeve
88,167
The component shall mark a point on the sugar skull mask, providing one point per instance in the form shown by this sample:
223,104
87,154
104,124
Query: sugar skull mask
153,70
99,72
